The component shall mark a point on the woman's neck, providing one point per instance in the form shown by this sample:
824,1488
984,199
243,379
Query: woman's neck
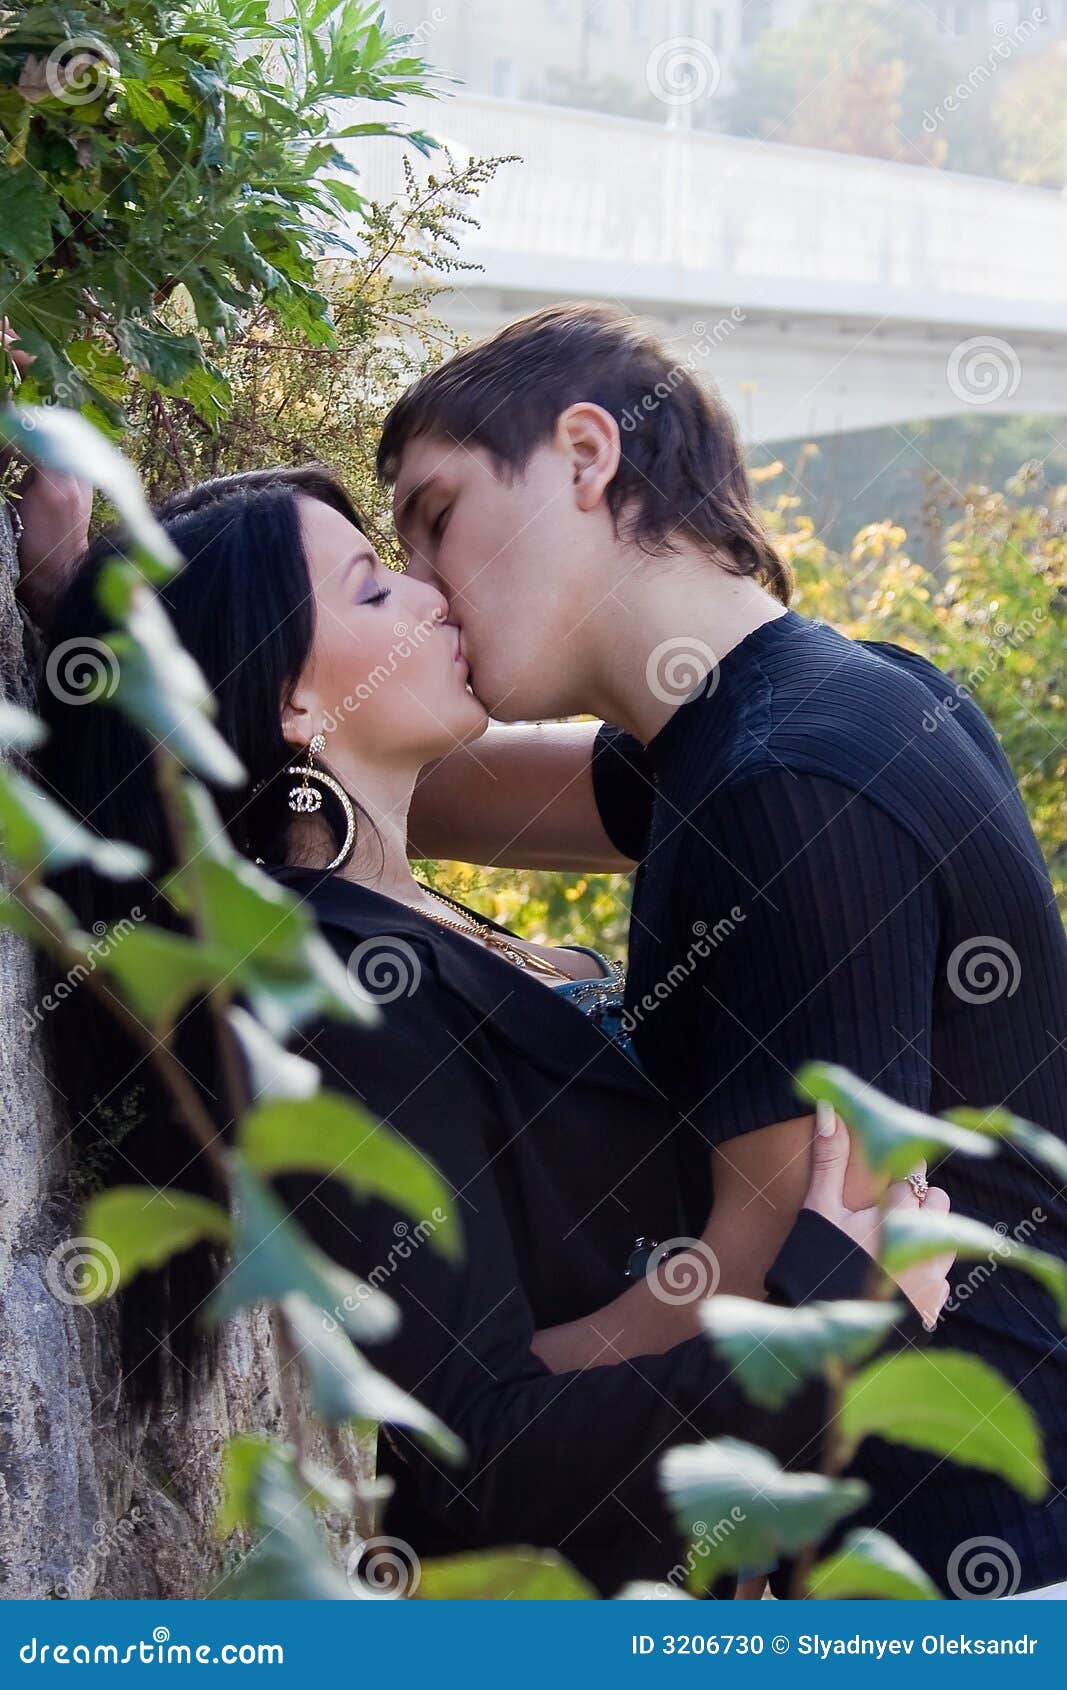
380,859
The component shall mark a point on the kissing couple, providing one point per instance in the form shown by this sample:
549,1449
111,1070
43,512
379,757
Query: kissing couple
599,670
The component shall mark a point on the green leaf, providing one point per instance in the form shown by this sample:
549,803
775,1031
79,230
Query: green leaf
161,688
19,731
914,1236
142,1228
265,1493
503,1575
1043,1146
273,1071
279,959
272,1257
37,913
26,214
63,441
157,972
36,834
344,1386
893,1138
741,1510
949,1404
869,1564
773,1350
328,1134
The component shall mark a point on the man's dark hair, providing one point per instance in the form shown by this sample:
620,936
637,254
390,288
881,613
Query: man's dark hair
682,471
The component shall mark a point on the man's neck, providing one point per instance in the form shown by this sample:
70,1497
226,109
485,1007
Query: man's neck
664,628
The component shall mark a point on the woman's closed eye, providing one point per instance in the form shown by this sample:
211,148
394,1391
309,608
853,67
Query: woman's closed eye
379,597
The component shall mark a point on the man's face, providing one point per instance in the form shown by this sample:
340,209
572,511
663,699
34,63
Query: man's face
511,556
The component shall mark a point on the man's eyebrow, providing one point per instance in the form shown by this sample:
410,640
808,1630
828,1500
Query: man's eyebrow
407,509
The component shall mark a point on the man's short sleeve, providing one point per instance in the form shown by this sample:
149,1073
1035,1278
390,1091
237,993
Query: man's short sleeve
813,927
624,789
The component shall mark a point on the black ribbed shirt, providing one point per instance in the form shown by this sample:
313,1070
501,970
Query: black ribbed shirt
836,864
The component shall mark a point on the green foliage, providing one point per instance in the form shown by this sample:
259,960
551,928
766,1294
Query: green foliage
184,156
908,1237
328,1134
143,1229
743,1510
949,1404
893,1137
772,1352
509,1575
869,1564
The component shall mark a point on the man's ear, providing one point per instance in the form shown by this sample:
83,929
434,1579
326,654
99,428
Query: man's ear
589,436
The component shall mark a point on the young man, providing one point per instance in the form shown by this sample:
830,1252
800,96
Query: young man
835,861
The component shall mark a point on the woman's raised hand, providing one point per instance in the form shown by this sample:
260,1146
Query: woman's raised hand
926,1283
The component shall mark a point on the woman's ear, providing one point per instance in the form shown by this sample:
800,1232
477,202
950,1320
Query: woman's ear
296,721
589,436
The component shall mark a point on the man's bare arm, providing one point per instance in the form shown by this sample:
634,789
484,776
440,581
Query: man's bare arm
519,797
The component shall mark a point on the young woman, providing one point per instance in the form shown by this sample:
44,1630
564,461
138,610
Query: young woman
494,1056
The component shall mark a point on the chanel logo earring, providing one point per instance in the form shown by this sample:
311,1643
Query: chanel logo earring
306,799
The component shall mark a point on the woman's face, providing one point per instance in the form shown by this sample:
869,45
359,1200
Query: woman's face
385,680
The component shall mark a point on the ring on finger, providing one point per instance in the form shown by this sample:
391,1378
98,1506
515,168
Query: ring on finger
920,1185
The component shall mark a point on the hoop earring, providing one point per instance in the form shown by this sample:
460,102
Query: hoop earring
306,800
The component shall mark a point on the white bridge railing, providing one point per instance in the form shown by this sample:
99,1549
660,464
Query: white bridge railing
638,212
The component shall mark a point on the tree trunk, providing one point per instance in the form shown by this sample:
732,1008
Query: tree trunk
93,1501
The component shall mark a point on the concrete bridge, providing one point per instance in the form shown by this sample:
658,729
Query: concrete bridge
822,292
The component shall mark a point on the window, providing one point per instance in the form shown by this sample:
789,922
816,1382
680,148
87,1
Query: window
715,29
504,82
597,17
558,9
951,16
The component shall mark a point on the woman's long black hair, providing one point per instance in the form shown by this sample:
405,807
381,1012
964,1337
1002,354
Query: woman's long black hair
243,607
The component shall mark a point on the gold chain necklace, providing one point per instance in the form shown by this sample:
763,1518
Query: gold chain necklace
489,936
